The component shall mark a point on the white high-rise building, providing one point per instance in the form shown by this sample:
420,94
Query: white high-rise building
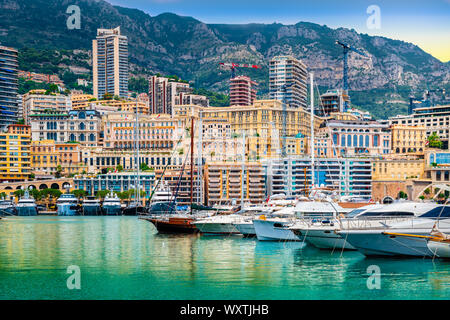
288,71
110,63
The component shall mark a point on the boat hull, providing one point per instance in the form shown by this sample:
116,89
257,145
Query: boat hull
134,211
440,249
174,225
247,229
112,210
216,228
67,210
92,210
375,243
326,239
270,230
27,211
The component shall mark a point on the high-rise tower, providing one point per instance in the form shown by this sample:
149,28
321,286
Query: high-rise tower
8,86
286,70
110,63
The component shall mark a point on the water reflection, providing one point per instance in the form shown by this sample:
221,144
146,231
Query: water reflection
125,258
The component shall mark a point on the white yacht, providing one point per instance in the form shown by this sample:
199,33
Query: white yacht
91,206
218,224
7,208
407,235
162,194
67,205
322,233
245,224
223,224
278,227
26,206
111,205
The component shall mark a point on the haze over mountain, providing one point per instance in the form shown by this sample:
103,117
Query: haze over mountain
183,46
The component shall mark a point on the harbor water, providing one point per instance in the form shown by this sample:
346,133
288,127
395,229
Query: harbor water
125,258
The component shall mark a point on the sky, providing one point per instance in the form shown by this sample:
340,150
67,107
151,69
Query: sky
425,23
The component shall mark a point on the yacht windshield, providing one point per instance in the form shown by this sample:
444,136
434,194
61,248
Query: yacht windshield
355,212
387,214
439,212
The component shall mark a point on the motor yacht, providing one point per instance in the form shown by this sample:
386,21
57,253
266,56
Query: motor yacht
321,233
7,208
91,206
67,205
381,234
26,206
111,205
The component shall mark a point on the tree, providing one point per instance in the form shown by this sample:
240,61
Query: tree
144,166
434,141
2,195
54,193
79,193
102,194
36,194
119,168
122,195
58,171
402,195
19,193
108,96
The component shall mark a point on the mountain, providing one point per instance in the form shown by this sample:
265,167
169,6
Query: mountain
183,46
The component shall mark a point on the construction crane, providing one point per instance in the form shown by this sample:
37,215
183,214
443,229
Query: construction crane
232,66
347,48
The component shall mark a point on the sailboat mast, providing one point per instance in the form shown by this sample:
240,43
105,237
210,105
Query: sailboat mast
200,157
192,160
312,128
137,154
242,169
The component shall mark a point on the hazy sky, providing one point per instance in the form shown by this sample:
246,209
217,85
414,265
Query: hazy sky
425,23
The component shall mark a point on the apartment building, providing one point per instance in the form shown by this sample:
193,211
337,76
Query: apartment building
288,81
83,126
262,123
435,119
293,175
226,182
37,101
332,101
408,139
163,93
39,77
44,159
242,91
110,63
156,132
359,138
397,169
81,100
15,161
195,99
8,86
115,182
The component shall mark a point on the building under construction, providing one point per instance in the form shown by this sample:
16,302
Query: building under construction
242,91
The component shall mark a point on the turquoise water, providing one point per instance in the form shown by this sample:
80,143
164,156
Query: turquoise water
125,258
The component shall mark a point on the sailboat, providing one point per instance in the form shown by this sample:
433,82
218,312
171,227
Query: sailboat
178,223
